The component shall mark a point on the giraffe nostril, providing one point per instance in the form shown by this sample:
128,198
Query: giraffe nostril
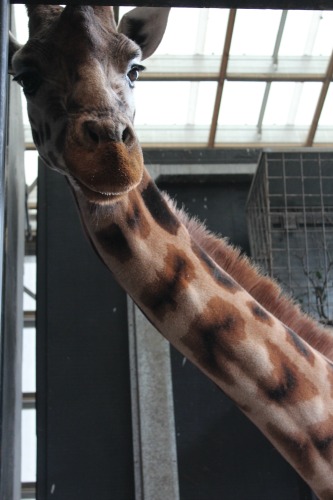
93,136
125,135
91,132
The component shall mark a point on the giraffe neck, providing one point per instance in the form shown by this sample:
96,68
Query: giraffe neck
278,380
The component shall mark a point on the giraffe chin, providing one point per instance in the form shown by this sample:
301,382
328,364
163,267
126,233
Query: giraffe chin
99,197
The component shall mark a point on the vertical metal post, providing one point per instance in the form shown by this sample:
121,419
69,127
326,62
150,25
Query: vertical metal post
4,27
154,437
12,186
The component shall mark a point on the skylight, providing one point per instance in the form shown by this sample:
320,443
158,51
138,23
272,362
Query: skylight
270,89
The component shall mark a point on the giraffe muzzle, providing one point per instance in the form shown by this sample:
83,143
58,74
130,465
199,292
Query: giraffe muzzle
105,160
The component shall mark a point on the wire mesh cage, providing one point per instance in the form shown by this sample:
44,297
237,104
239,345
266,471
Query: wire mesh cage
290,223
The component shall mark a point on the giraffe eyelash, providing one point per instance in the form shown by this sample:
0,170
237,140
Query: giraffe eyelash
133,73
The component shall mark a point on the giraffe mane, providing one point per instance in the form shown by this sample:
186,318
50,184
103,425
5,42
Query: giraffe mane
263,289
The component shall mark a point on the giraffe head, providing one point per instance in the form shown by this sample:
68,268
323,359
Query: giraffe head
78,72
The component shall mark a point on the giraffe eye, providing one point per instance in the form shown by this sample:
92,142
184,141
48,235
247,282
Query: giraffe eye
133,73
30,82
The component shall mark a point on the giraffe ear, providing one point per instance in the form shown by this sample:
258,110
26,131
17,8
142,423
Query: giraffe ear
13,47
146,27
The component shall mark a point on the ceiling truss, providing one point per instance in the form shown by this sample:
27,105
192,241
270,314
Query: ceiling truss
230,68
238,69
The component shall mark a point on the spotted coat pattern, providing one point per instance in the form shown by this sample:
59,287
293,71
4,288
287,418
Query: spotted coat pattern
77,71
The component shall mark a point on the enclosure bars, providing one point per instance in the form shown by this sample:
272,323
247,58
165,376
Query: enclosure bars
295,245
326,254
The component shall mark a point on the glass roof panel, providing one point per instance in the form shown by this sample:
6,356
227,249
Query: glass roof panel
194,31
241,103
173,135
307,33
284,97
164,103
182,25
174,103
324,40
21,22
255,32
308,102
216,29
201,103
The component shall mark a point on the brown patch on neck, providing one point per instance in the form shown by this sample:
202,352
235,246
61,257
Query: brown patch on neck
161,296
322,438
259,313
286,384
219,276
212,336
301,346
159,209
135,216
114,242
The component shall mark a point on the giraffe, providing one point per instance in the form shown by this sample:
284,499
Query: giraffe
78,70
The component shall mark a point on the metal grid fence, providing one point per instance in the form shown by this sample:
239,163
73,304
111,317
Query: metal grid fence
290,222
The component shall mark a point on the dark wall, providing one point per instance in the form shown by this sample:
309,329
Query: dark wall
221,454
83,393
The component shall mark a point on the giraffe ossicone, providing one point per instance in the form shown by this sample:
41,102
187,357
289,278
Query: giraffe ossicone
78,72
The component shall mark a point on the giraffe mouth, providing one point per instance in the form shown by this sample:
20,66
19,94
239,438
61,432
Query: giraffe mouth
102,197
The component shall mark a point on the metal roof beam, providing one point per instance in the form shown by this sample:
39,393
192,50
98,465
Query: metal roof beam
279,36
275,63
263,107
222,76
320,103
205,67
